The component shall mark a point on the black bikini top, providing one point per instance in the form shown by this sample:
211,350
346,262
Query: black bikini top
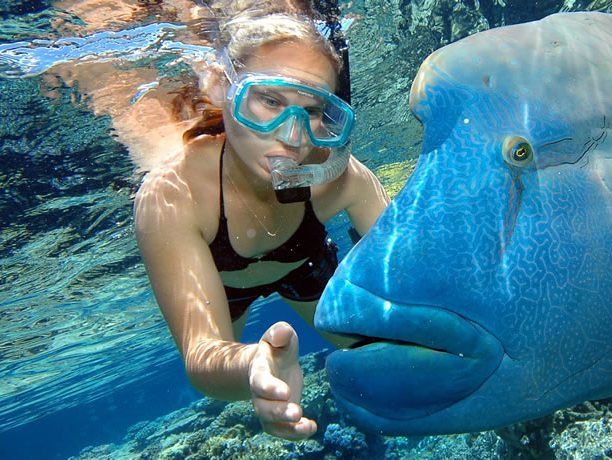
305,242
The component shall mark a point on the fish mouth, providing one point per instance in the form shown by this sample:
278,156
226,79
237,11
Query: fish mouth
409,360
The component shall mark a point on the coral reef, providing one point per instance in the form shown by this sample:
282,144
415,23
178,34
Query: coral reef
345,441
213,430
394,175
583,431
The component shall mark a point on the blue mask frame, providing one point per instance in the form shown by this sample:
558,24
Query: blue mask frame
344,118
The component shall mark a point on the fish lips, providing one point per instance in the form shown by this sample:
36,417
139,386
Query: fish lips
412,361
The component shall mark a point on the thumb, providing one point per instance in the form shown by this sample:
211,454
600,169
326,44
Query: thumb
282,335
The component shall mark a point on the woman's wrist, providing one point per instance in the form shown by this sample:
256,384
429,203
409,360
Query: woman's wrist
220,369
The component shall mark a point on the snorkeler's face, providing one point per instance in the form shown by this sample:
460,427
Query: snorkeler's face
295,60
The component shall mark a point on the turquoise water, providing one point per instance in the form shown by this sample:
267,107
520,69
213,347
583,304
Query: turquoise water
85,352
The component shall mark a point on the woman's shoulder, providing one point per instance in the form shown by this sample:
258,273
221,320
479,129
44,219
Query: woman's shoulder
183,182
331,198
357,184
204,145
162,199
200,166
163,181
195,165
354,177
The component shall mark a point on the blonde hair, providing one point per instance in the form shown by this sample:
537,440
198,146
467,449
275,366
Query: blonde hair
244,26
243,33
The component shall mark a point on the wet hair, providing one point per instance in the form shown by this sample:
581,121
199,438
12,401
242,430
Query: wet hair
270,22
243,27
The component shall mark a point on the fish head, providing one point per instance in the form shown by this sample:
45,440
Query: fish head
481,296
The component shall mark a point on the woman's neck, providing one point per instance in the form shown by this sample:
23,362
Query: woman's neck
244,179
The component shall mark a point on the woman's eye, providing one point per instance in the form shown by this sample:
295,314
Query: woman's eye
314,112
269,101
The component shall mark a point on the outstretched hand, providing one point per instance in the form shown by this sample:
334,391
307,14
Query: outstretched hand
276,382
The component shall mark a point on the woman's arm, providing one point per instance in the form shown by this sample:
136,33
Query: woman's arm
191,296
363,195
188,288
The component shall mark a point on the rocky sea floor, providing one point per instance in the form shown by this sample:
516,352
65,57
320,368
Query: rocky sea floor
210,429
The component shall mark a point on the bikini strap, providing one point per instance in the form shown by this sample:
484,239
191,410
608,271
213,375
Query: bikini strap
309,209
221,203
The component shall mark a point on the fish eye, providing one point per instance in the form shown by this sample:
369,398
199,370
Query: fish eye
517,151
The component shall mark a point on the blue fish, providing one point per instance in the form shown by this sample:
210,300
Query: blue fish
483,294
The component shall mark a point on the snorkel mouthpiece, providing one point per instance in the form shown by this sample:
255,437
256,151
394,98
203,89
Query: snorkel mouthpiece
286,182
291,181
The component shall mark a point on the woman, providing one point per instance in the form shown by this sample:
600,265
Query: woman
212,232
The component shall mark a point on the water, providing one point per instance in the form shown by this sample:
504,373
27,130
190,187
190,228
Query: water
85,353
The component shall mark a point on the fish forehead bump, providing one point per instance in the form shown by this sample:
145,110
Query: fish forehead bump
542,61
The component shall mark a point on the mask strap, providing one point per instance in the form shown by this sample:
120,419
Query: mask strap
228,66
332,28
344,79
336,38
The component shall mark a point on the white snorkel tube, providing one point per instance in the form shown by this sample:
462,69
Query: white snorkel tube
292,181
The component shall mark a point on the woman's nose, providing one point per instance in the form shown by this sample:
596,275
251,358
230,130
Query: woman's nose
291,132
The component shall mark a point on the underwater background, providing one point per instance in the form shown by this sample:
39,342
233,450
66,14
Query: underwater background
87,366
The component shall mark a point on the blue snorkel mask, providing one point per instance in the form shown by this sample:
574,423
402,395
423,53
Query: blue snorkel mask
267,103
294,112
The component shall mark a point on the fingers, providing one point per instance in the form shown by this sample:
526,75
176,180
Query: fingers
277,411
276,381
292,431
265,385
283,418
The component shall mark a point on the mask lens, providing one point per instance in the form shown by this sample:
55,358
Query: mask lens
263,104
